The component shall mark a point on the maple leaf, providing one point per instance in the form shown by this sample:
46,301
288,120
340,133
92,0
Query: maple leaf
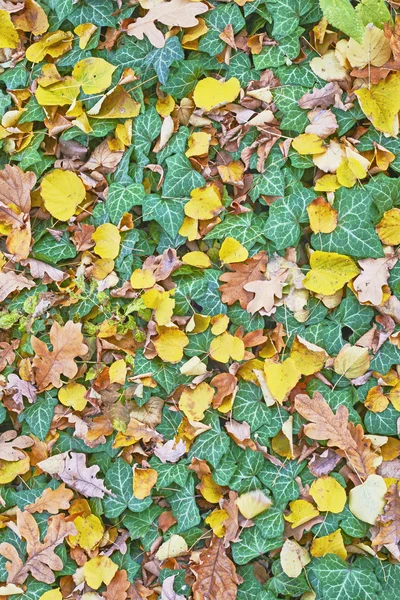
7,353
233,289
389,523
215,574
52,501
176,13
67,344
42,560
72,470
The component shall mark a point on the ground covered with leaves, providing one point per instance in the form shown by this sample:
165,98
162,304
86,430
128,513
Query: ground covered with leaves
200,288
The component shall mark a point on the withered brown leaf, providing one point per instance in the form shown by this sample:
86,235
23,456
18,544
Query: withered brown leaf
389,523
241,274
216,577
52,501
67,344
42,560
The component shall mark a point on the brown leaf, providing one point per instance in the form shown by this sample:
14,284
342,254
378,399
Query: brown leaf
67,344
42,560
323,97
72,470
11,281
390,469
324,463
40,270
118,586
179,13
265,291
374,275
15,192
10,445
103,159
163,265
325,425
7,354
52,501
242,273
362,459
393,35
389,523
216,577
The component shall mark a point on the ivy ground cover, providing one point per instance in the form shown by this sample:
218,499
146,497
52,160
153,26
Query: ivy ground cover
200,299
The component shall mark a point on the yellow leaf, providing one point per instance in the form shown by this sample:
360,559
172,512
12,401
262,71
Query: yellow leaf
193,33
308,357
210,93
282,442
10,588
352,361
366,501
198,323
323,218
194,366
301,511
388,228
62,192
327,183
143,482
253,503
194,402
142,279
116,104
189,229
375,49
32,18
54,43
58,94
73,394
281,377
8,34
329,272
165,106
293,558
350,171
108,240
197,259
9,470
232,251
216,521
161,303
376,401
98,570
205,203
170,344
93,74
232,172
117,372
394,396
329,544
210,490
308,143
50,595
90,531
328,494
84,33
198,144
381,103
175,546
328,68
227,346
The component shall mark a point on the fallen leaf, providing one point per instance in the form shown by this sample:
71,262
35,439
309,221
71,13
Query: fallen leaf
293,558
215,574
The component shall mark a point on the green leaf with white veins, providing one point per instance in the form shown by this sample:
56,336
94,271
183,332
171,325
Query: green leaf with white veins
167,212
121,199
285,216
253,545
340,579
181,178
160,59
184,507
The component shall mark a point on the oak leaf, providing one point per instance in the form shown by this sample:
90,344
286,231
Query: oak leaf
52,501
216,577
176,13
389,523
265,291
72,470
324,424
374,275
11,281
11,445
233,289
67,344
41,560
